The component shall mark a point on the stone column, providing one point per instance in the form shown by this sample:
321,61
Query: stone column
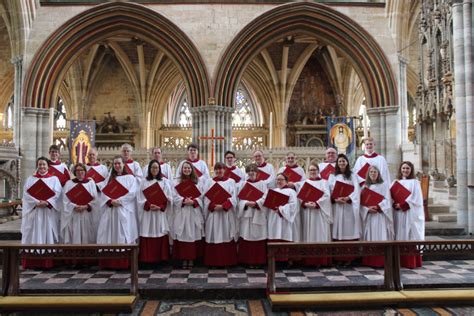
402,97
17,61
385,129
35,138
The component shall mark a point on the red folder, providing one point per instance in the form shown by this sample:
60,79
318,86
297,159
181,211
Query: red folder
292,175
114,190
187,189
228,173
330,169
262,175
342,189
363,171
250,193
309,193
370,198
129,170
79,195
399,193
62,177
217,194
94,175
40,191
275,199
154,195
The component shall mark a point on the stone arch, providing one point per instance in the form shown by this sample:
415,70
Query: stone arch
322,22
98,23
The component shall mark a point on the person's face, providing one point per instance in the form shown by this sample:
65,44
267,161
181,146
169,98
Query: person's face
80,173
252,175
405,170
118,165
281,181
258,157
373,174
342,163
229,159
187,169
369,146
219,172
92,155
193,153
157,154
313,172
126,153
154,169
331,155
42,167
291,160
54,155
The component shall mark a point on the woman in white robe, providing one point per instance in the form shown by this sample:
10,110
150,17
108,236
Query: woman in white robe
188,221
154,220
410,218
118,224
40,222
252,218
316,216
346,214
377,220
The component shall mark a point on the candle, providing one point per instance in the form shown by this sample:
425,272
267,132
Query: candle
148,130
271,130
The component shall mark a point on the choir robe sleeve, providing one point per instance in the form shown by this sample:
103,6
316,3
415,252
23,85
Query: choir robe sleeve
29,202
258,214
416,212
291,209
130,183
355,195
385,206
324,202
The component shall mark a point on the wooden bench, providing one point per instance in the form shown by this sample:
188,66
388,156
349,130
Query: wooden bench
12,206
12,300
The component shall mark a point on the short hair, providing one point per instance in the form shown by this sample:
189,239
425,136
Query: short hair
412,173
229,152
258,151
327,149
126,146
369,181
42,158
315,164
153,149
192,145
93,148
251,167
282,174
219,165
77,165
54,147
370,138
290,153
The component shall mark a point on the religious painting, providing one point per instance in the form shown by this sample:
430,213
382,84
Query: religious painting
82,139
341,134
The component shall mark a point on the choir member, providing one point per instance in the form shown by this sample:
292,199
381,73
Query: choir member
188,223
316,215
252,218
328,167
56,167
95,170
133,167
155,200
231,170
294,172
377,219
221,227
41,211
118,223
266,171
409,217
79,220
157,154
199,165
346,215
371,158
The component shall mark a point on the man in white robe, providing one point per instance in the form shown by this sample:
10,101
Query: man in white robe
291,164
133,167
56,167
264,167
232,171
193,157
98,168
331,157
372,159
157,154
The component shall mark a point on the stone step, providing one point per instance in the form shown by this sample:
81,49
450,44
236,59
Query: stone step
438,209
443,218
444,229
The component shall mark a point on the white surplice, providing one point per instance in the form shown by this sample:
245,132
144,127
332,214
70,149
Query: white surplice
100,169
410,225
253,221
296,169
378,226
118,224
268,169
221,226
201,165
287,227
165,170
136,169
374,160
346,217
237,171
40,225
80,228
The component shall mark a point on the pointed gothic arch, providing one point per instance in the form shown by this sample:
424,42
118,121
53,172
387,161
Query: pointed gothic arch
98,23
325,24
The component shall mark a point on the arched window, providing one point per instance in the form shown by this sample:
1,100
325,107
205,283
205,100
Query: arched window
60,115
185,117
243,109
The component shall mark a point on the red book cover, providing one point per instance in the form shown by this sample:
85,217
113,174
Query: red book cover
114,190
342,189
229,174
129,170
370,198
154,195
309,193
217,194
330,169
62,177
399,193
292,175
250,193
94,175
262,175
363,171
40,191
187,189
79,195
275,199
